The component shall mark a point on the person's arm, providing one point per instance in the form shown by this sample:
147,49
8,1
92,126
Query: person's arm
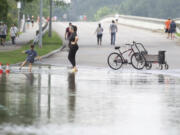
116,28
25,52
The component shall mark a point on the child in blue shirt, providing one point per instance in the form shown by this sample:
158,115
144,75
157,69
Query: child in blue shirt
31,55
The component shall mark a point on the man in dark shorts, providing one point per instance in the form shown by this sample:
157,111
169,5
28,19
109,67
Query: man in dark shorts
1,32
68,32
31,55
4,33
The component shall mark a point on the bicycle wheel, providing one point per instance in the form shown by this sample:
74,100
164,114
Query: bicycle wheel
115,61
138,61
148,65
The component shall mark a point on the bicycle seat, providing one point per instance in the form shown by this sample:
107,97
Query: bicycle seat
116,47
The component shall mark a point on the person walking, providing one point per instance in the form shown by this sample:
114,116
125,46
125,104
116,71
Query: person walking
28,21
99,32
4,33
32,21
31,55
1,32
13,33
167,27
73,47
172,29
67,32
113,30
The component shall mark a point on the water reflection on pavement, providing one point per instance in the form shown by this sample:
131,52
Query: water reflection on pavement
52,101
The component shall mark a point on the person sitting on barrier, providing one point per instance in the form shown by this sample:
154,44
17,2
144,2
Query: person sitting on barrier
31,55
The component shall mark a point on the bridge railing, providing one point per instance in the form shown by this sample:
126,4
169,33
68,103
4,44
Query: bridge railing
143,22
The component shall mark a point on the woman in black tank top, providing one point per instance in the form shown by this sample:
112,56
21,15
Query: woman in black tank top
73,47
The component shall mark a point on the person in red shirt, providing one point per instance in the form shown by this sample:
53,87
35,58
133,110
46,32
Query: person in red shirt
167,27
68,32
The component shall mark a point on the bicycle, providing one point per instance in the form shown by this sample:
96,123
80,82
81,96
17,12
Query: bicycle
116,59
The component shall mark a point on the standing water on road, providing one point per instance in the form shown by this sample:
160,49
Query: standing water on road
92,102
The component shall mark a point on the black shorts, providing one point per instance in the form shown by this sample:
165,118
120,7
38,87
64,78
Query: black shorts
99,36
166,30
3,36
30,61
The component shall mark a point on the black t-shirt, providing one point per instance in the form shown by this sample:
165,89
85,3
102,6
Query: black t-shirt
72,37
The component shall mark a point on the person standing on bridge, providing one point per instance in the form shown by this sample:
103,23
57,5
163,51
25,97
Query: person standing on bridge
73,39
167,27
172,29
113,30
99,32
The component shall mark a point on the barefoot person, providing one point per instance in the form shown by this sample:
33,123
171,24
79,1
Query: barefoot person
31,55
73,47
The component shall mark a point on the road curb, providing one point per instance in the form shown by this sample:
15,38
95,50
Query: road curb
47,55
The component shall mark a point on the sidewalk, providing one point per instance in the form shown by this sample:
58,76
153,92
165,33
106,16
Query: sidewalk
23,39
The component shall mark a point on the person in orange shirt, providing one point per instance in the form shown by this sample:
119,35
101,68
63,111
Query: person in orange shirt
167,27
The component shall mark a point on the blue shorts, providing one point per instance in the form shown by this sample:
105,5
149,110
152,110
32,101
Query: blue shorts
30,60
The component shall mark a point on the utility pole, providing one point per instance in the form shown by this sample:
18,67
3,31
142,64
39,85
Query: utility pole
50,20
19,18
40,23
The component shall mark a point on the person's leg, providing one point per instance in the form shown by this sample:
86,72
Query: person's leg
114,38
22,65
97,39
111,38
30,67
13,40
100,39
72,57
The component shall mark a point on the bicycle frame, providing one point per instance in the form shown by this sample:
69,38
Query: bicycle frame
131,51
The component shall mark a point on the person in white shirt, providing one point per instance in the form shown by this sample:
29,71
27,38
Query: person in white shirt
13,33
99,32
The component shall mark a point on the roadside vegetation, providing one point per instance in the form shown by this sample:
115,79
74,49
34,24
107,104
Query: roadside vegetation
178,34
49,44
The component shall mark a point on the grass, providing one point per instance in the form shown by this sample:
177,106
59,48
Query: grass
49,44
178,34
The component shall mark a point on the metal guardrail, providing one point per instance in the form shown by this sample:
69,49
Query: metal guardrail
146,19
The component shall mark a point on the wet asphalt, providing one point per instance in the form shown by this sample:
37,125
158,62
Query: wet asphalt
96,100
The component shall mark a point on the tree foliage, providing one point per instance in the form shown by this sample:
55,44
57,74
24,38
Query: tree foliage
147,8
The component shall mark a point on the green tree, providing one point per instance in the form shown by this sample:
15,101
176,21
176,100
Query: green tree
102,12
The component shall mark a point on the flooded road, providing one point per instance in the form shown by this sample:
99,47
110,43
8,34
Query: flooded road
94,101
